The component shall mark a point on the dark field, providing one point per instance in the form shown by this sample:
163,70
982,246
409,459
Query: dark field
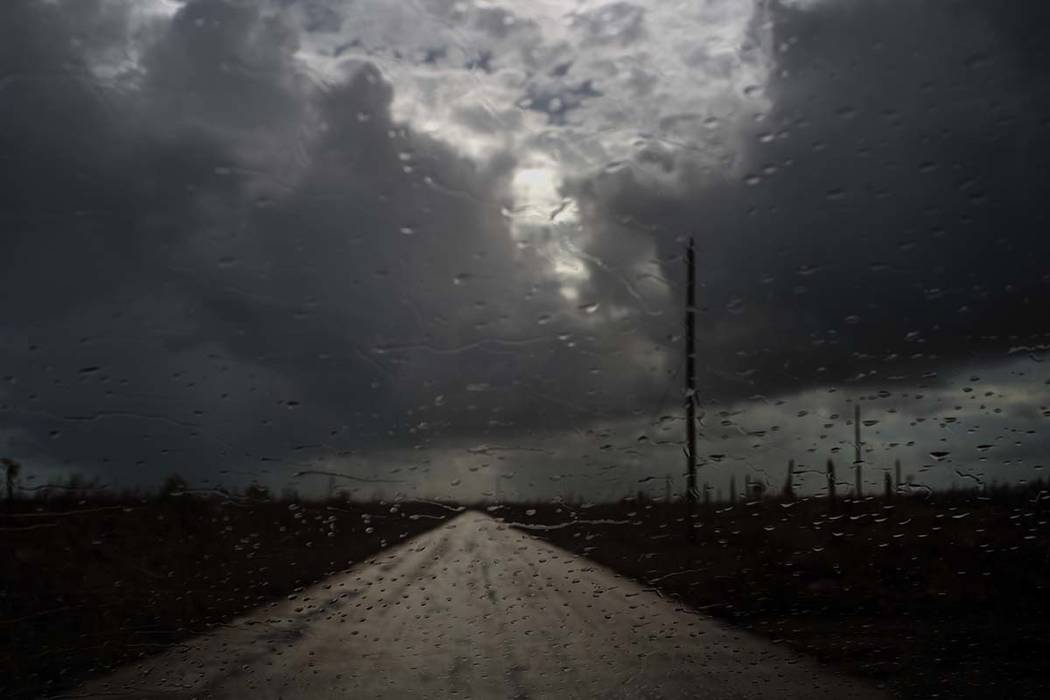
87,585
945,597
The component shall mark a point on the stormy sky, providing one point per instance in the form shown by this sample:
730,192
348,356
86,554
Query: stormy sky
439,244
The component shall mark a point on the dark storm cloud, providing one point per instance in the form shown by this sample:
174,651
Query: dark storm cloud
558,98
99,195
892,215
496,21
191,279
216,263
220,260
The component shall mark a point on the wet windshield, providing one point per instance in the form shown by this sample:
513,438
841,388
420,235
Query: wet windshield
561,348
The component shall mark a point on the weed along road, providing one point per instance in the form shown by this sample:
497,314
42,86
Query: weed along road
476,609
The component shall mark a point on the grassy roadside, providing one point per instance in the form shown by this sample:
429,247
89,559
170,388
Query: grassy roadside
939,598
86,586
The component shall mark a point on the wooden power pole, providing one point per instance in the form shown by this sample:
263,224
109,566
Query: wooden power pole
690,389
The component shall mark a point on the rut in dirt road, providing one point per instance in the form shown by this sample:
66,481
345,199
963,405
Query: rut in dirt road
476,609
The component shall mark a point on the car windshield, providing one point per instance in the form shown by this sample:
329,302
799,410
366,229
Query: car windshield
524,349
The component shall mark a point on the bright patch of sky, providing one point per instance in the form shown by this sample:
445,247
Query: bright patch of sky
566,87
966,431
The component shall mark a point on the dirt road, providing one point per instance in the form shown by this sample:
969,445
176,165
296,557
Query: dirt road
475,609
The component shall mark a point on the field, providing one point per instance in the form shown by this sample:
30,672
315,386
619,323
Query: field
90,584
937,597
940,596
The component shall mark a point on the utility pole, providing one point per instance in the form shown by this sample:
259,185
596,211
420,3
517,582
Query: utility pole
690,388
856,447
789,484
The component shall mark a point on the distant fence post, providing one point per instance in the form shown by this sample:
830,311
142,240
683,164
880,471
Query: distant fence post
789,484
888,486
831,482
897,470
732,489
857,459
12,468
